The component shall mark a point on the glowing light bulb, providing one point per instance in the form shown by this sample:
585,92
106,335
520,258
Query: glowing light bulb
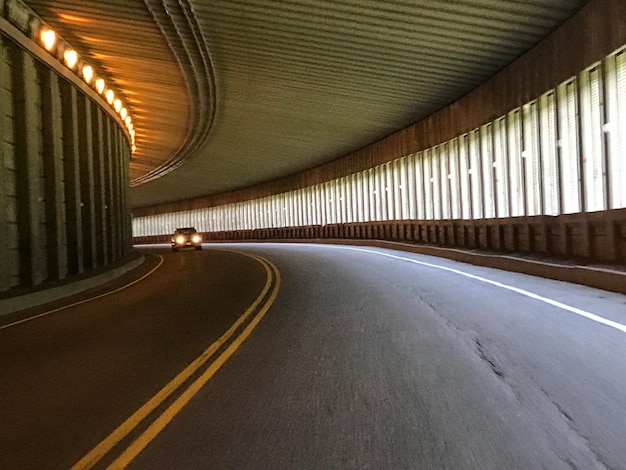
100,85
123,113
48,38
87,73
127,121
71,57
110,96
117,104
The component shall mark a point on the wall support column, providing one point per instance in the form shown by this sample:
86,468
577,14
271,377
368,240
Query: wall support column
30,185
98,186
85,146
52,133
8,189
71,173
109,194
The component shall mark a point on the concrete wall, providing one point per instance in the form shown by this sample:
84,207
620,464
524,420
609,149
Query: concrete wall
63,173
596,236
585,239
560,64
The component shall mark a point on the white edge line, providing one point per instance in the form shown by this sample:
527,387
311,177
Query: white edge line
513,258
86,300
554,303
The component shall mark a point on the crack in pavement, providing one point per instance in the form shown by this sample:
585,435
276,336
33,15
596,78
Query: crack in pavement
574,449
482,353
569,421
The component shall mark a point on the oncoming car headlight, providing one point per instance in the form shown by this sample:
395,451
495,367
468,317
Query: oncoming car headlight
180,239
196,238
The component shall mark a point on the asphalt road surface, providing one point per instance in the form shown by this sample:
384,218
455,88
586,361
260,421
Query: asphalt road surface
268,356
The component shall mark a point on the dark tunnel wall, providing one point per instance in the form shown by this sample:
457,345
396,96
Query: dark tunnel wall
63,170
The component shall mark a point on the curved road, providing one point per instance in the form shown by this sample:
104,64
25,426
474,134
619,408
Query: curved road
319,357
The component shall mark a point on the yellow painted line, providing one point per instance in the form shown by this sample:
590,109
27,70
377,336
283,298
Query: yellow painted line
98,452
162,421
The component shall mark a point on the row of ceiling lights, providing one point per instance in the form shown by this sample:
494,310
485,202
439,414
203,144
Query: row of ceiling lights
70,58
22,17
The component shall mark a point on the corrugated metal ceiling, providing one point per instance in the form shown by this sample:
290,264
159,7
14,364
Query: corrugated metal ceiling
297,82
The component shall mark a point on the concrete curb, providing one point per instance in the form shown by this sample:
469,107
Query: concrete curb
23,302
613,280
600,278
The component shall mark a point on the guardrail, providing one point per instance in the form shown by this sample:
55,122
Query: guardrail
595,236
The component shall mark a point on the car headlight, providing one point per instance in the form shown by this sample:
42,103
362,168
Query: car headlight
196,238
180,240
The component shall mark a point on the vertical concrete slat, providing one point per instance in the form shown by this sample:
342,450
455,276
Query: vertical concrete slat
8,231
5,113
52,133
30,191
85,146
578,87
117,190
125,156
71,173
109,191
604,140
119,177
98,186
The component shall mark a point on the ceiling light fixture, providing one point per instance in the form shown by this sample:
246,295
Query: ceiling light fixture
48,38
100,85
87,73
71,58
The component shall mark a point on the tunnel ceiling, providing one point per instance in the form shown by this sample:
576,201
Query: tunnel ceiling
227,94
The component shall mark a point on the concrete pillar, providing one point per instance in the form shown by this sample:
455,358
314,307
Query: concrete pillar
52,134
116,176
121,202
9,274
30,182
110,195
117,187
85,147
98,186
71,173
128,224
125,157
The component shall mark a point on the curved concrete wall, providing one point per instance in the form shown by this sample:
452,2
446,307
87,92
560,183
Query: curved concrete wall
63,167
532,161
495,243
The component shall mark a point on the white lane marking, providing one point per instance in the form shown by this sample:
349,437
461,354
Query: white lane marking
530,261
86,300
554,303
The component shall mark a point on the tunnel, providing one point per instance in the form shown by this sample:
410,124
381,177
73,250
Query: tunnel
392,144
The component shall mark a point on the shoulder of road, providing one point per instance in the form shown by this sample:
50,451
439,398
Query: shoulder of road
81,286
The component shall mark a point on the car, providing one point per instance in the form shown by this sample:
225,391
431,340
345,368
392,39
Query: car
186,236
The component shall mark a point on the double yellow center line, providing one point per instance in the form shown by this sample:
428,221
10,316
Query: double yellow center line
261,305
